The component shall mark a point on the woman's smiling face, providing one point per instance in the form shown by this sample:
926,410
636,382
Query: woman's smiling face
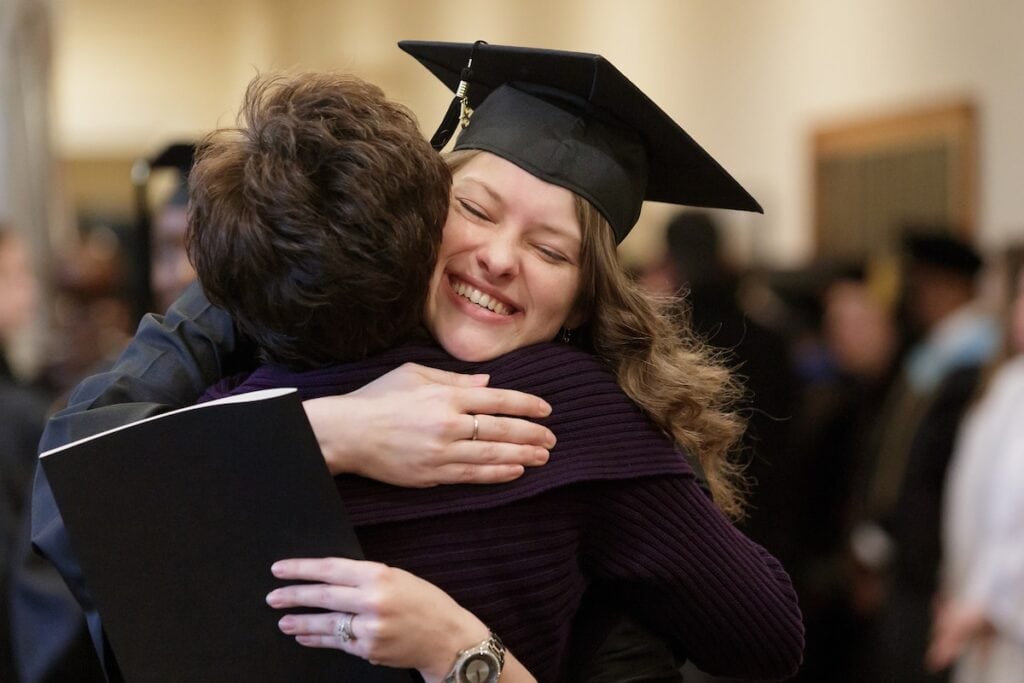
507,273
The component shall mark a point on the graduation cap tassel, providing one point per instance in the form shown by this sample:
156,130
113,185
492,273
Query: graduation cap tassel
447,127
459,110
465,111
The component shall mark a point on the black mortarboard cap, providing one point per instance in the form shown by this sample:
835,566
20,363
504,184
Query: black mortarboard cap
943,251
179,155
574,120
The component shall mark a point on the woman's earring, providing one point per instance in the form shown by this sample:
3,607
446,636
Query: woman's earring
565,335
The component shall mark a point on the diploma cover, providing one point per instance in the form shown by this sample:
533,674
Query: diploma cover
176,520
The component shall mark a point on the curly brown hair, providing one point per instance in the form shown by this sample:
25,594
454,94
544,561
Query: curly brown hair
315,222
673,375
657,359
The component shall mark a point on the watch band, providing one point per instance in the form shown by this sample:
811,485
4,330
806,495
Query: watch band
495,644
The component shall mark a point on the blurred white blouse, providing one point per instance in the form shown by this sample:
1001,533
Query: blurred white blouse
983,526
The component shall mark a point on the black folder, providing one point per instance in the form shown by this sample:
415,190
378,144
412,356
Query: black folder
176,520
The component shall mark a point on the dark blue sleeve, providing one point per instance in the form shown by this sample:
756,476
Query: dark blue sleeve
170,362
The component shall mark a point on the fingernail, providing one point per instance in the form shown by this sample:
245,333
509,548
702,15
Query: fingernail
272,598
286,624
544,408
277,567
540,456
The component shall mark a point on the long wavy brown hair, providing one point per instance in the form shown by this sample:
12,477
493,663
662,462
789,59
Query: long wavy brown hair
657,359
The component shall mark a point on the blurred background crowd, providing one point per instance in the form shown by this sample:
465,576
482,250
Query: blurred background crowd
875,312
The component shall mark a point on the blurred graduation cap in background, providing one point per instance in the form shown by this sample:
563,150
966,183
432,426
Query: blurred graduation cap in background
937,247
176,158
574,120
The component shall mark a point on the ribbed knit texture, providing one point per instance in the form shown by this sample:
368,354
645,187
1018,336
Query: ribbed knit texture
617,502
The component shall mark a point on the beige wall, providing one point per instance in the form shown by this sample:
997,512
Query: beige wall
748,79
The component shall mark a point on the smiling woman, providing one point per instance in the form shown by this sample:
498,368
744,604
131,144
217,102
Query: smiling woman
507,275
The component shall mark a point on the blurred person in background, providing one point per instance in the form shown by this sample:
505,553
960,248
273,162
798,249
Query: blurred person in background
22,416
20,293
696,267
858,336
170,271
698,273
49,640
97,285
979,621
162,270
894,546
91,314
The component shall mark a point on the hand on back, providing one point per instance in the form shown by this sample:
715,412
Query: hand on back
414,427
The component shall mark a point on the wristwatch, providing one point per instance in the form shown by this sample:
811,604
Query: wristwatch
481,663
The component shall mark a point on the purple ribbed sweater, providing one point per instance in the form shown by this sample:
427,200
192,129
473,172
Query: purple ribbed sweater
616,502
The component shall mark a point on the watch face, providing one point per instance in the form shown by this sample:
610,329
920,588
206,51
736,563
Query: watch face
480,668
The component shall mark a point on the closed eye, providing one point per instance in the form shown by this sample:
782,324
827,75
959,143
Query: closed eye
472,210
552,255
